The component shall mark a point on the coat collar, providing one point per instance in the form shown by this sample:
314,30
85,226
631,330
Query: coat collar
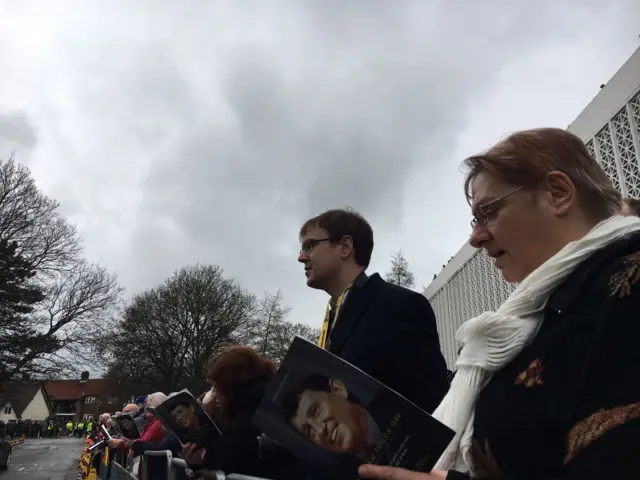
570,293
358,300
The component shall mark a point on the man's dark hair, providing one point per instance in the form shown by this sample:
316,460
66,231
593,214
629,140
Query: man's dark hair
315,383
342,222
634,204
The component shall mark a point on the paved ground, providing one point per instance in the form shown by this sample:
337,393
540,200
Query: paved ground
44,459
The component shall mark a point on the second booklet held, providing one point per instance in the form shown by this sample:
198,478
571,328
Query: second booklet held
184,417
334,417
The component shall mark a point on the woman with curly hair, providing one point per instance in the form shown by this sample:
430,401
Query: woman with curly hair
239,377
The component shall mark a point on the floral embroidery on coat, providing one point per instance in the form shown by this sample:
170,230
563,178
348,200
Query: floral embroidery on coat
589,430
484,463
621,282
531,376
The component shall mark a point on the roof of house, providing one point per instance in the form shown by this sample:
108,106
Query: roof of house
20,394
77,389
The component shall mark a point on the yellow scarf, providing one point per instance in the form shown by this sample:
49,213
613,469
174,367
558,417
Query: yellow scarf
324,333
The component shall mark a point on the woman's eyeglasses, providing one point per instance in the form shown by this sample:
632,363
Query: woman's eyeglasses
485,212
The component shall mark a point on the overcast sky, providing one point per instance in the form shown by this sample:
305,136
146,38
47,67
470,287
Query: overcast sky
182,132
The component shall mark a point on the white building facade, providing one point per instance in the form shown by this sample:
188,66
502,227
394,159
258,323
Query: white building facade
610,126
27,402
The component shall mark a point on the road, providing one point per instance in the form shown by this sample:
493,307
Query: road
44,459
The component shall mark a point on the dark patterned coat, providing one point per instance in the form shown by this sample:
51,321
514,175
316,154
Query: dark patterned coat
568,407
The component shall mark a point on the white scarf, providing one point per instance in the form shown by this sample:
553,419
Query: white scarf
493,339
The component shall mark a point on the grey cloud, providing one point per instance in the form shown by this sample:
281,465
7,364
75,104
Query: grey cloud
16,130
232,124
346,127
341,118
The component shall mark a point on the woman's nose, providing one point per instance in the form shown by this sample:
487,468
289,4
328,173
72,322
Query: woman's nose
479,236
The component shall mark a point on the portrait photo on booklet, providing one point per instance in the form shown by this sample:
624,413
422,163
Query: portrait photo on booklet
334,417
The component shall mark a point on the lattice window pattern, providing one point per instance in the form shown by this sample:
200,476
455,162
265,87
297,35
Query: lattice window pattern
627,151
635,112
592,149
607,155
475,288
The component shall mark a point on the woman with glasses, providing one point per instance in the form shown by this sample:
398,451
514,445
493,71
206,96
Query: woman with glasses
547,385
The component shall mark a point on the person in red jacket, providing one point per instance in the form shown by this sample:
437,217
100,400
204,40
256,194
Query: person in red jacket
153,431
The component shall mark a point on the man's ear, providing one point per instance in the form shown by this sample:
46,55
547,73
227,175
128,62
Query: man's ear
346,246
338,387
562,192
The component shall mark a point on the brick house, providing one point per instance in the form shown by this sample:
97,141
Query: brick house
86,398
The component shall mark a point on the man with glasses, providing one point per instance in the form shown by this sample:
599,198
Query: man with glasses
385,330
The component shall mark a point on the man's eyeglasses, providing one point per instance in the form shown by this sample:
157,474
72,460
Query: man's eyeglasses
310,244
485,212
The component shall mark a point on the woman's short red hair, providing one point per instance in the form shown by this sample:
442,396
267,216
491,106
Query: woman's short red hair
238,369
526,157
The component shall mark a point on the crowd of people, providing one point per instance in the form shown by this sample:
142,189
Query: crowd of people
545,387
51,428
22,428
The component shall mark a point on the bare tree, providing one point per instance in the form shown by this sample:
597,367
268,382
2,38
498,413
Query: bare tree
273,332
272,314
399,272
46,241
78,301
168,334
50,333
284,333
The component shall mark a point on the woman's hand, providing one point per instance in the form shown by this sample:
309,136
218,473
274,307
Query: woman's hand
392,473
192,454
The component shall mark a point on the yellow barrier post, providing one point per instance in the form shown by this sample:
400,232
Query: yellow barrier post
85,459
17,441
93,474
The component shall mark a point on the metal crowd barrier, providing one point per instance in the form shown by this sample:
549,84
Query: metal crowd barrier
144,470
236,476
122,468
179,463
175,465
118,472
112,465
220,475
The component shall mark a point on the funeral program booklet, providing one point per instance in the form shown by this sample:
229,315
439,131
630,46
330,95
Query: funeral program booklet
183,415
127,426
334,417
